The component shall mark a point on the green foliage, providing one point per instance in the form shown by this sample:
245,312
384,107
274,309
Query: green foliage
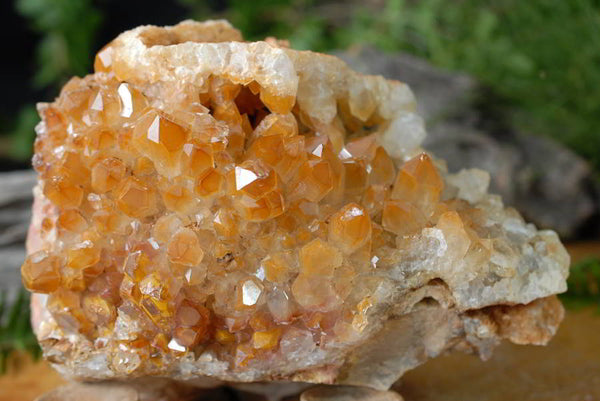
23,134
584,284
68,28
15,329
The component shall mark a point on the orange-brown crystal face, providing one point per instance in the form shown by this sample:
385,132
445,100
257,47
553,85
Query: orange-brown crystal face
218,217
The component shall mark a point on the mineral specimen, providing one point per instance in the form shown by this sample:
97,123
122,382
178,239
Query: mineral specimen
211,208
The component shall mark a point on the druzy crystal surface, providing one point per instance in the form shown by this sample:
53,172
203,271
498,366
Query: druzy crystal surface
208,207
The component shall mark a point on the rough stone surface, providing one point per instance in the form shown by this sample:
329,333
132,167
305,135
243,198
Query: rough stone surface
568,368
548,183
215,210
164,390
15,216
347,393
141,390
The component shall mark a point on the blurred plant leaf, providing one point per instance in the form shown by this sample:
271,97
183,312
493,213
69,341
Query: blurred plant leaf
15,329
68,28
52,59
24,133
309,35
584,284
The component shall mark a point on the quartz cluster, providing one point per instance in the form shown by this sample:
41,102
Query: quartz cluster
212,208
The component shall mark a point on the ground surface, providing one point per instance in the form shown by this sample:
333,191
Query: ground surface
568,369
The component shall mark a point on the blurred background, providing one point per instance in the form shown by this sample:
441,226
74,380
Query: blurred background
510,86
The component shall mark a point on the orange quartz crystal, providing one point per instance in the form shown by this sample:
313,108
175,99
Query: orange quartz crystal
41,272
219,215
199,211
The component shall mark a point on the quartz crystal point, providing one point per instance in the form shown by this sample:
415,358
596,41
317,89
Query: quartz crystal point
209,208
